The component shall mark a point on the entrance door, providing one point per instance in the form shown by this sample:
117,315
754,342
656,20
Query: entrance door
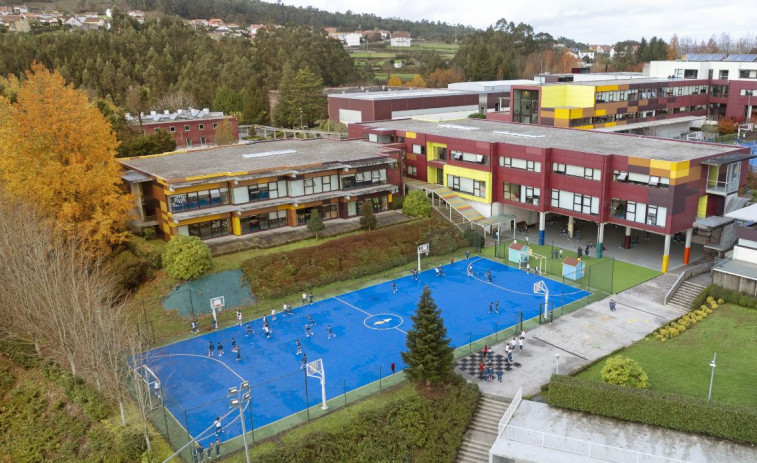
439,176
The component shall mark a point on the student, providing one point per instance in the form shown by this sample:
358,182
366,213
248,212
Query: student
239,354
213,324
268,332
467,255
273,314
308,333
211,349
394,288
392,367
220,349
217,424
499,375
331,333
436,269
156,387
496,307
470,270
612,305
239,317
310,320
441,271
193,324
522,339
248,330
528,268
311,298
304,298
489,275
199,452
452,260
218,447
233,342
491,307
210,450
299,346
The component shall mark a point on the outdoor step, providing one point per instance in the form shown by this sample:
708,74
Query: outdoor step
469,459
484,426
474,451
492,415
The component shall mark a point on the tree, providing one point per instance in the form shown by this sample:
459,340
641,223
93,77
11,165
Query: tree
227,100
144,145
429,356
440,78
416,82
57,151
138,101
301,100
394,81
416,204
673,51
624,371
224,133
727,125
186,257
315,224
367,217
254,106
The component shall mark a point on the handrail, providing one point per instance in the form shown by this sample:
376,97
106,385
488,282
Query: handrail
510,411
694,271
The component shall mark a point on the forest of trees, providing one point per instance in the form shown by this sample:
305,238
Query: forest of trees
258,12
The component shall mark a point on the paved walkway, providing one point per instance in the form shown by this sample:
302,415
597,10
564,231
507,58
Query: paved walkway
279,236
579,338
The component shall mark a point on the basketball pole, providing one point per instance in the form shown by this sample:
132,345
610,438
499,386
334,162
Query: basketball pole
323,390
419,260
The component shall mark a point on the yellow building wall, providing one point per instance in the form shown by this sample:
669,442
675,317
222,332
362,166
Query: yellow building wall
431,150
475,175
702,207
576,96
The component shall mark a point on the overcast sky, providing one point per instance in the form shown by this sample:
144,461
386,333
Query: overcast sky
595,21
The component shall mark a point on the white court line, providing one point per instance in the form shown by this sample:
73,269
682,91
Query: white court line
203,357
367,313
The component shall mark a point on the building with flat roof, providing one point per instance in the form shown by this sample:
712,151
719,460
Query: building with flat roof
189,127
243,189
528,171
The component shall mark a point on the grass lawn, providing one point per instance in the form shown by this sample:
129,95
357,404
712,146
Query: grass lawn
373,55
623,276
681,365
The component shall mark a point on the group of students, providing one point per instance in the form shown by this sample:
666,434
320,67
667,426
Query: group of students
219,347
487,371
199,453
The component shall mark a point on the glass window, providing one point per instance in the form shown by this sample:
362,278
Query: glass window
201,126
172,129
186,128
419,149
210,229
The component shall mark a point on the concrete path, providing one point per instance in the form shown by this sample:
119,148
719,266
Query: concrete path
581,337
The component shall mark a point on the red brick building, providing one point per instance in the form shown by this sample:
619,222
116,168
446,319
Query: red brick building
189,127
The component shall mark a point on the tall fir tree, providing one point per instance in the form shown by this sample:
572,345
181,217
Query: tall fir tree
367,217
429,356
315,224
301,101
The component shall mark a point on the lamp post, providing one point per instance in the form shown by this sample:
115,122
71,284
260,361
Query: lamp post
300,118
238,396
748,93
557,364
712,375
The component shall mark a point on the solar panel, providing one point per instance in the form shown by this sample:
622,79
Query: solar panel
705,57
742,58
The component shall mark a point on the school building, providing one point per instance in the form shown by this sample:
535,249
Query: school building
243,189
487,172
188,127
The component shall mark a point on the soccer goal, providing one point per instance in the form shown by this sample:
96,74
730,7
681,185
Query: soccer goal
315,369
422,249
153,386
539,266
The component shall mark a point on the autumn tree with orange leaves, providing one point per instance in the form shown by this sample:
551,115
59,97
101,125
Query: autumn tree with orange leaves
57,152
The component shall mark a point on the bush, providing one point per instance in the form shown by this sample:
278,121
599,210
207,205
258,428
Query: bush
186,257
131,444
367,216
78,391
130,271
624,371
673,411
474,239
417,204
279,274
397,202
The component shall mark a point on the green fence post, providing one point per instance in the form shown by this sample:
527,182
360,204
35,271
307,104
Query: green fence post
470,341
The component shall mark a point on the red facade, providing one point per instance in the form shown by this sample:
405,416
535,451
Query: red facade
192,132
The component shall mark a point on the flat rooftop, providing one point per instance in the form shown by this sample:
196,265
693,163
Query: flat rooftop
584,141
402,94
255,157
640,81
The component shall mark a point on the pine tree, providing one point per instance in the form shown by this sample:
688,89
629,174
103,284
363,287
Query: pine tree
367,217
301,100
429,357
315,224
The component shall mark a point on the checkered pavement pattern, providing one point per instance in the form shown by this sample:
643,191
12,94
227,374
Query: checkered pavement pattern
468,365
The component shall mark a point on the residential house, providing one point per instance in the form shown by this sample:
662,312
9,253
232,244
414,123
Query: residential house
400,39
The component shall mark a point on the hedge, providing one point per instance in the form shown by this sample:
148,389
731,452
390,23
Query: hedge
417,429
278,274
721,295
664,409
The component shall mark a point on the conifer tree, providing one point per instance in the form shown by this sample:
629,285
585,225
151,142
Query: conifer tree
315,224
367,217
429,356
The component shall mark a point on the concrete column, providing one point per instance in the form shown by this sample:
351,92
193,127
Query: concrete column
687,249
236,225
571,223
542,227
600,239
627,242
666,254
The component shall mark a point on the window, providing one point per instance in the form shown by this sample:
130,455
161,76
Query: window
264,221
210,229
641,179
576,171
419,149
189,142
364,179
215,124
723,74
748,74
259,192
522,194
575,202
412,170
690,74
638,212
515,163
202,126
172,129
467,185
198,200
186,128
469,157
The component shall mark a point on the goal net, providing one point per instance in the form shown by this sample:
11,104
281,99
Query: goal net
537,262
153,386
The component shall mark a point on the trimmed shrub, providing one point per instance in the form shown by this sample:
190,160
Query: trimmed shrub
624,371
278,274
186,257
671,411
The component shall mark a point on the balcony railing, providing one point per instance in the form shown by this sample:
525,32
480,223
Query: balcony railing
721,187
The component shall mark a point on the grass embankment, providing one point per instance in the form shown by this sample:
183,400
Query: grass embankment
681,365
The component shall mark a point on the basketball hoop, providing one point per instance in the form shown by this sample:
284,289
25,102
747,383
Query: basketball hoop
540,287
423,248
315,369
216,305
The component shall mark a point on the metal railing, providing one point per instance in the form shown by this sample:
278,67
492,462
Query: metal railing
692,272
510,411
581,447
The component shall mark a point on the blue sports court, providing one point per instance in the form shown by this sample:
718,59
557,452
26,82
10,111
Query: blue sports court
370,327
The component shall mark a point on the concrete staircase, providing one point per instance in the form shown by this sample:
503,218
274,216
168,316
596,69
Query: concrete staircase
482,431
685,295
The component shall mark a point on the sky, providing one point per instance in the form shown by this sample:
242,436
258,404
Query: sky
588,21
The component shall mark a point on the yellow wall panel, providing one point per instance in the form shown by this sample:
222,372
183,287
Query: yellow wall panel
655,172
474,174
577,96
564,123
431,150
638,162
203,219
584,127
562,113
611,124
600,112
236,225
208,186
410,135
702,207
607,88
655,164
